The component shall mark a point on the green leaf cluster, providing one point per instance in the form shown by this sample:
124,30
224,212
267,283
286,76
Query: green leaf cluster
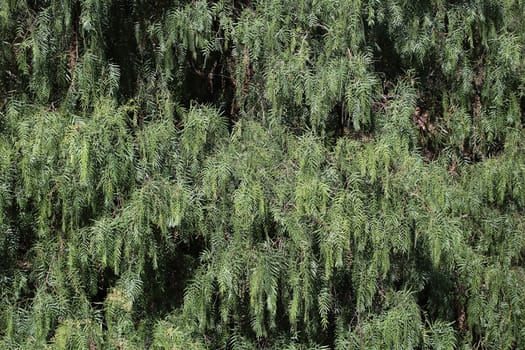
262,174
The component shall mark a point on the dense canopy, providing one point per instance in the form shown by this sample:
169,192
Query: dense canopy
262,174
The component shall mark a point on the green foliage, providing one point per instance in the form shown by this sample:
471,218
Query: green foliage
262,174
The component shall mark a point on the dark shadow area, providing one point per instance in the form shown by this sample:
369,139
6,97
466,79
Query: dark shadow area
207,80
121,46
163,288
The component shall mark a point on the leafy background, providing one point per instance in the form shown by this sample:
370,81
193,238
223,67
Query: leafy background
243,174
